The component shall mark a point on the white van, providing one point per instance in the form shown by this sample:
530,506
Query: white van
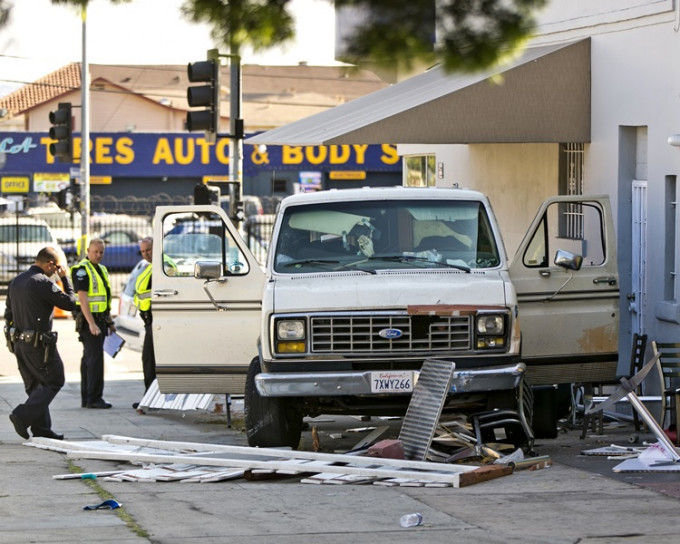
362,285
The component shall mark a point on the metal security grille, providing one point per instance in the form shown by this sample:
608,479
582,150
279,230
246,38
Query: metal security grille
351,334
574,164
425,408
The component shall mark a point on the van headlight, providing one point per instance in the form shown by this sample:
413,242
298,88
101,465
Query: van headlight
490,329
290,336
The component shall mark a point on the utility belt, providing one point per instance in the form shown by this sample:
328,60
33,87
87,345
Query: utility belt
35,338
103,319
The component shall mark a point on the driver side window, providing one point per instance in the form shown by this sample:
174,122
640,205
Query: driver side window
576,227
192,237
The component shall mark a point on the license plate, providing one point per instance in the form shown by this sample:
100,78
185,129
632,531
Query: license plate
392,382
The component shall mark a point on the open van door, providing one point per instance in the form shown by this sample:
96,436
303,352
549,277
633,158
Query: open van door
569,315
205,330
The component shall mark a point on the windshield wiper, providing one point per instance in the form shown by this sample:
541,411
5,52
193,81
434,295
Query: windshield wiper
328,261
413,258
310,261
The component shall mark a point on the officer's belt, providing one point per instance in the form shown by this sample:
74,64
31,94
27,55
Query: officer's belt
26,336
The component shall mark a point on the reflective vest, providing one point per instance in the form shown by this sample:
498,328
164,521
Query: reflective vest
169,266
143,290
97,289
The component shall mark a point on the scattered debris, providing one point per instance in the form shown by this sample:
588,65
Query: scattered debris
153,398
411,520
167,461
653,459
109,504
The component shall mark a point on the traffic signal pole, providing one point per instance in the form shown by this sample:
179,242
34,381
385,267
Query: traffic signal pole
84,144
208,96
236,132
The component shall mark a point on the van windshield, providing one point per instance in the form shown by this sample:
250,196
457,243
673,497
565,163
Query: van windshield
377,235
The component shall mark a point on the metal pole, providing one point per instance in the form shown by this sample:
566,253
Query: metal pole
85,142
236,143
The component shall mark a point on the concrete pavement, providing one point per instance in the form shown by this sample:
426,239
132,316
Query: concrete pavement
575,500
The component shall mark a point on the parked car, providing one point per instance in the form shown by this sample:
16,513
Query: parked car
122,249
20,240
128,322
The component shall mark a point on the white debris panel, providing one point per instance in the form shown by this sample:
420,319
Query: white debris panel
197,462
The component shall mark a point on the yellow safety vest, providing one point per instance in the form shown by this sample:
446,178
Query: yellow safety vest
169,265
97,289
142,290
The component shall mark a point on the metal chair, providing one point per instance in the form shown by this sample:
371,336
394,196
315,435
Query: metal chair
669,373
594,393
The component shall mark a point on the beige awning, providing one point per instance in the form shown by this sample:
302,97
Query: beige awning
541,96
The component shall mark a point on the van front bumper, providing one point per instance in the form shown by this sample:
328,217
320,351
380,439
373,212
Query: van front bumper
329,384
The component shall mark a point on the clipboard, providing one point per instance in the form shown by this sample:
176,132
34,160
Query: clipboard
113,343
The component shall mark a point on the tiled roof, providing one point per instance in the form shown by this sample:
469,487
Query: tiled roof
42,90
281,85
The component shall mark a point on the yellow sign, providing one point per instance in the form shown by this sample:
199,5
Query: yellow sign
347,174
209,179
15,184
50,182
100,180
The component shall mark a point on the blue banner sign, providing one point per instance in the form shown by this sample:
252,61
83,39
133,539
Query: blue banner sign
186,155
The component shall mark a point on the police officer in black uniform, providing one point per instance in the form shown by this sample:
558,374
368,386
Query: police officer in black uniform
93,322
31,299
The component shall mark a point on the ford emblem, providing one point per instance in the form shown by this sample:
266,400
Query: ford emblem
390,333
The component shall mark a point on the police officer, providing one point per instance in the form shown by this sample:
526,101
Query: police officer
142,300
30,302
93,322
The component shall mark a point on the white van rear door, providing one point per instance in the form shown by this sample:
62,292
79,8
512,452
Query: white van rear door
569,319
200,348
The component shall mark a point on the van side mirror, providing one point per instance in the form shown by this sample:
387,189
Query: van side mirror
568,260
207,270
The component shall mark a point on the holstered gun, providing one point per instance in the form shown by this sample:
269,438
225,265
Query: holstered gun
10,337
48,341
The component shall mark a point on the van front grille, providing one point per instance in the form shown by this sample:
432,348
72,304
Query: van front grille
369,334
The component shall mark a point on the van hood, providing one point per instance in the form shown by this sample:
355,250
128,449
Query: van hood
358,291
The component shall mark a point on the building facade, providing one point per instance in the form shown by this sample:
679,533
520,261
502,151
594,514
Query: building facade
591,106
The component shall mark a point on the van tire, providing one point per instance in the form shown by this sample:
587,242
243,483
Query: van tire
545,411
270,422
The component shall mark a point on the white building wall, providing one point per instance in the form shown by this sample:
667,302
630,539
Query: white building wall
635,107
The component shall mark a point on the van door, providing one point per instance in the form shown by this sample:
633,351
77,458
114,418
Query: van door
203,346
569,319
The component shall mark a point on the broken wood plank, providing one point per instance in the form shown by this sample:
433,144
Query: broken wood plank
483,474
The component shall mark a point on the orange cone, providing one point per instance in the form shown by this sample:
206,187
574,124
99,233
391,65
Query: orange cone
58,312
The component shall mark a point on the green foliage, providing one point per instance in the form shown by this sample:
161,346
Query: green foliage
84,3
473,34
258,23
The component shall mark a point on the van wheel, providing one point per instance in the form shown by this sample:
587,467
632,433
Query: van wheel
545,411
270,422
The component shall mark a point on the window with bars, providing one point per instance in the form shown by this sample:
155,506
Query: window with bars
571,183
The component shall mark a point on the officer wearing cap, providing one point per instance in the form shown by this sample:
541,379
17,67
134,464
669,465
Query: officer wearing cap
93,322
31,298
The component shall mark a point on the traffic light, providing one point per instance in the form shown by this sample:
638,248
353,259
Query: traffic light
61,132
204,194
206,96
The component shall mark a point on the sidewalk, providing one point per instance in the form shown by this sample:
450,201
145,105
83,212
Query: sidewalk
578,499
